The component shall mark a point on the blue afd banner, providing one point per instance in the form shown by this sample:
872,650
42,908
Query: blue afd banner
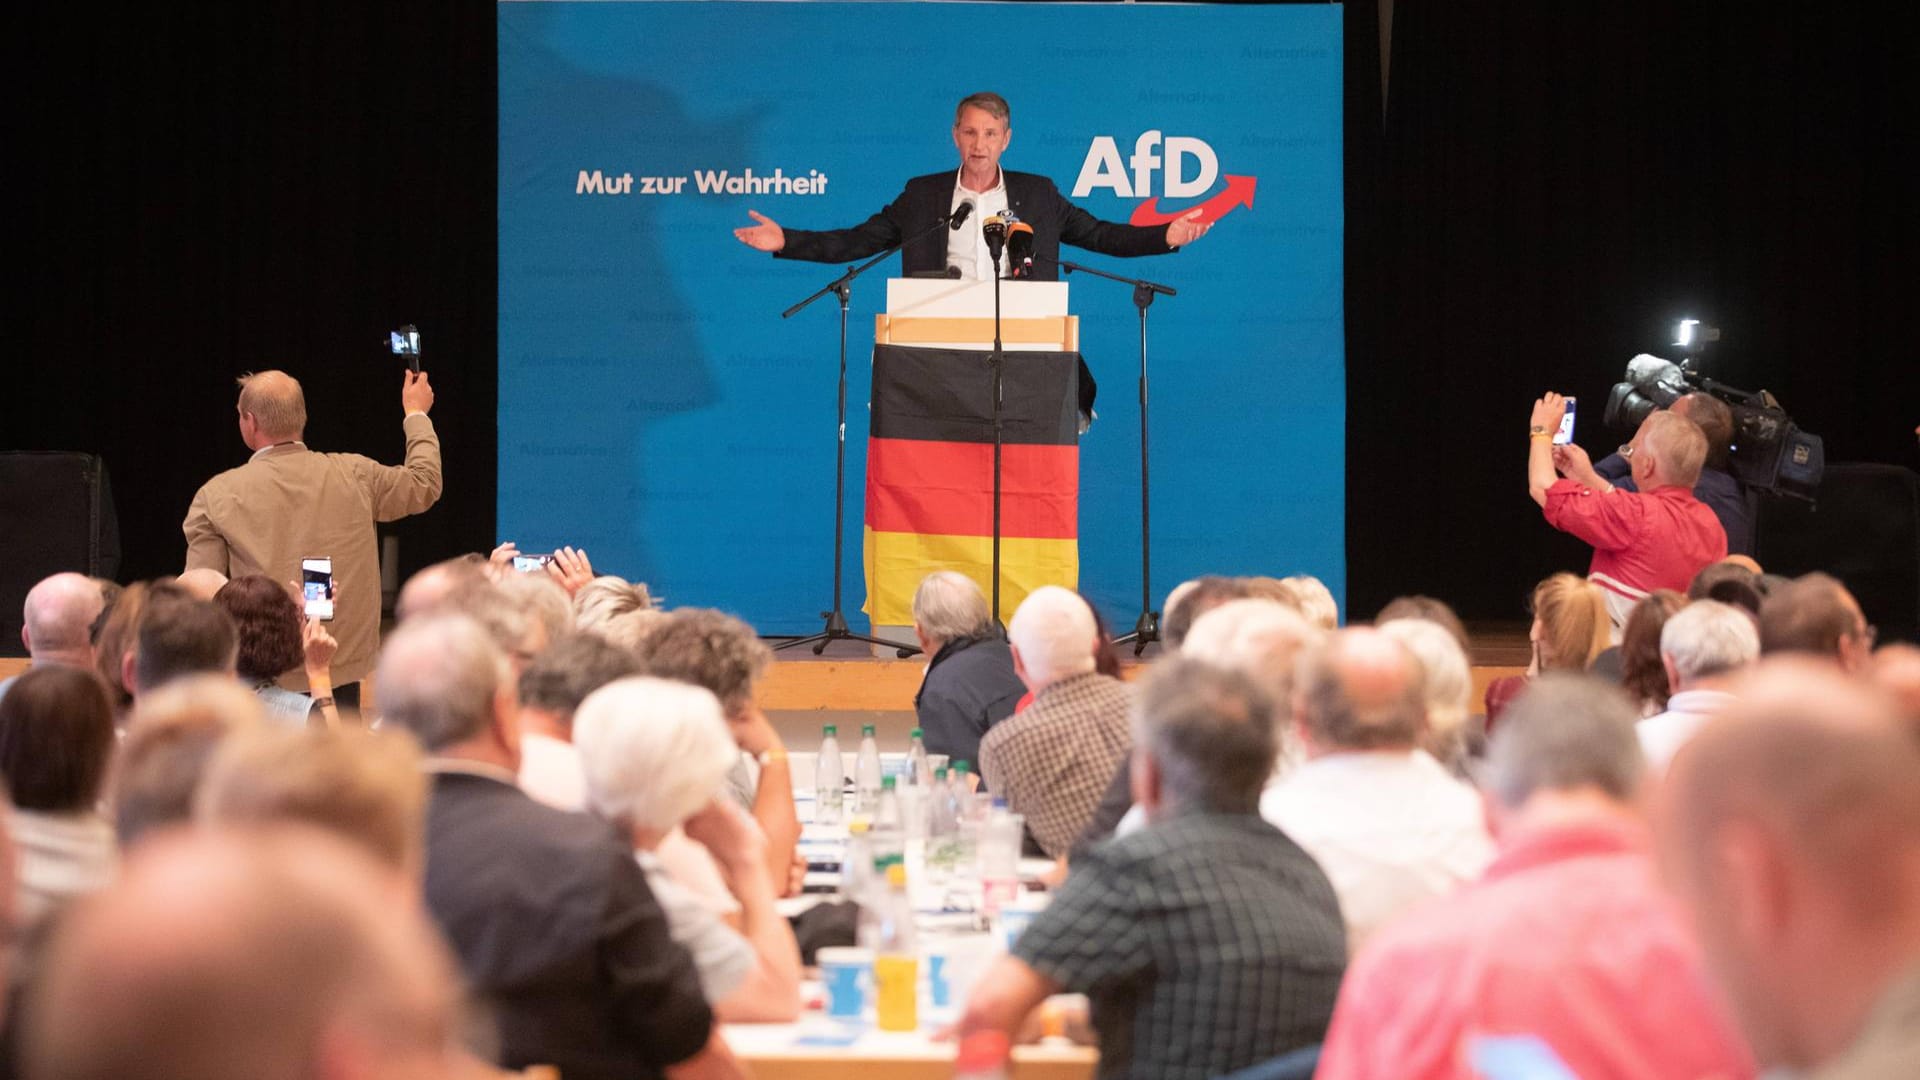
655,408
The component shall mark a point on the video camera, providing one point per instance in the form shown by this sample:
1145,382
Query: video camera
1769,453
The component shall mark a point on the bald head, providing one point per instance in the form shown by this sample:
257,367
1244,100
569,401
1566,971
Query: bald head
432,590
1819,761
1792,833
1361,690
273,955
272,408
59,613
1053,636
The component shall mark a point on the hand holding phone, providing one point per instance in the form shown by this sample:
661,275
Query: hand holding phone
316,587
531,564
1565,435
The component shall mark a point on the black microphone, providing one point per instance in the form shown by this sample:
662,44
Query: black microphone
994,229
959,215
1019,249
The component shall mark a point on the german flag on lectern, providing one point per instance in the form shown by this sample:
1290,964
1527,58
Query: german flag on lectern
930,474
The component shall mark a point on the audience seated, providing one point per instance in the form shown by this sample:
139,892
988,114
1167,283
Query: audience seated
550,916
115,636
723,655
1191,599
1703,649
275,638
170,740
1569,630
970,684
658,754
1207,941
551,688
1453,736
621,611
1816,614
1258,638
201,582
244,955
1389,825
1314,599
179,636
1567,940
1430,610
1641,674
1792,835
57,621
1732,580
1052,762
56,740
1896,671
365,787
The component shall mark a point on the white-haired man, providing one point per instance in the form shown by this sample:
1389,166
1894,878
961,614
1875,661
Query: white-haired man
288,503
970,683
1388,823
1703,646
1053,761
57,622
549,914
1658,537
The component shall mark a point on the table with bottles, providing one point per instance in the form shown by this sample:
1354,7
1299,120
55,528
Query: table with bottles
942,889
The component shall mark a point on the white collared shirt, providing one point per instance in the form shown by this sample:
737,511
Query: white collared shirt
255,456
1390,828
966,247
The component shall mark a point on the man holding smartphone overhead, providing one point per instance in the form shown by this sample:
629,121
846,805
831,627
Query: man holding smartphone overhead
290,507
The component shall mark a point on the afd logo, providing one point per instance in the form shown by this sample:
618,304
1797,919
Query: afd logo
1189,167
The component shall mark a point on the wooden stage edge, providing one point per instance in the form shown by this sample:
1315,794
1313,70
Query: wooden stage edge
857,684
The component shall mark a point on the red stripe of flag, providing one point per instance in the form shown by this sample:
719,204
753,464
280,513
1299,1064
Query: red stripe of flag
946,488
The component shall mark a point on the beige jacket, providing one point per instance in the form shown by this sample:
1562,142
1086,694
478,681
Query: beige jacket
289,503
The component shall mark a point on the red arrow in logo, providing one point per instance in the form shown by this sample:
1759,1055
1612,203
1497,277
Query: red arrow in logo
1239,190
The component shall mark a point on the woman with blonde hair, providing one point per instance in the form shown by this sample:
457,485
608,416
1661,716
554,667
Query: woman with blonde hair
1570,628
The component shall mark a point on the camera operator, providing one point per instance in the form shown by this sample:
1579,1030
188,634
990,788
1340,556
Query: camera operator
288,503
1658,537
1725,496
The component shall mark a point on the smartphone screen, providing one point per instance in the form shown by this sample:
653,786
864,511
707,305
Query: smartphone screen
316,587
1565,434
529,564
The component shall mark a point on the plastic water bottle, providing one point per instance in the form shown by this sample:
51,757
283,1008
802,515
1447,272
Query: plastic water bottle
889,834
1000,858
918,771
866,773
963,846
829,781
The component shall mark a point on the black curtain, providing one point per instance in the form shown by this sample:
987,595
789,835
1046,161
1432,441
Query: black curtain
1550,186
205,191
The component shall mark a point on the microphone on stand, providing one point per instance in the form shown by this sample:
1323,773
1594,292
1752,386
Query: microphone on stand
1019,249
994,229
959,215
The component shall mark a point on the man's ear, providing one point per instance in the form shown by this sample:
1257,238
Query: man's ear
25,641
128,664
1756,881
1019,668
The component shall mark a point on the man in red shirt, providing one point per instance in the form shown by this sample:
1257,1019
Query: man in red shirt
1567,946
1656,538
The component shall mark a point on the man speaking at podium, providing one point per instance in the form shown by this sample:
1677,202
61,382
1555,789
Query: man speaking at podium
982,127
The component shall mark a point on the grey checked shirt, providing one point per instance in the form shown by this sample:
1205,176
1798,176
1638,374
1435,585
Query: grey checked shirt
1206,944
